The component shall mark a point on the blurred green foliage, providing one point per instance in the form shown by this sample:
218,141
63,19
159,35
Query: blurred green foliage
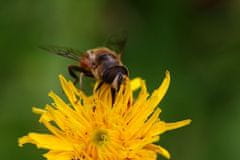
197,40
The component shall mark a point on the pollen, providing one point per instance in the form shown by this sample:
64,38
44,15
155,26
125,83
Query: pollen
99,127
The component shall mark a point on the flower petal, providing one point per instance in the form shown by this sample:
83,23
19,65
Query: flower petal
158,94
149,123
135,83
59,155
158,149
179,124
38,110
143,154
147,107
45,141
69,92
161,127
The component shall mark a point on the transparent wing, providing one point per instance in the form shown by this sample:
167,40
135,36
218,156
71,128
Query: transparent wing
117,42
63,51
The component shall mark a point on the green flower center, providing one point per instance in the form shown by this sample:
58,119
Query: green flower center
100,137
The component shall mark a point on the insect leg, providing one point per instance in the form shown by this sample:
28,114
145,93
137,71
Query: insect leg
72,69
80,79
99,85
113,92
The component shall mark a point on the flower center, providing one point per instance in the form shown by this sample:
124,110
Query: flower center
100,137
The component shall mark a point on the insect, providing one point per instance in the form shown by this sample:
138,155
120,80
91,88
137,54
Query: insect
100,63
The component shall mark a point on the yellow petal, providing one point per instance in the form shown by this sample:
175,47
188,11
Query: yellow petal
135,83
133,111
66,86
161,127
59,155
159,93
148,124
60,104
142,154
158,149
45,141
45,116
53,129
164,86
148,107
38,110
179,124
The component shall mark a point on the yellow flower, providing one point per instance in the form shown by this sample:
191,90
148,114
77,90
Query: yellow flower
95,128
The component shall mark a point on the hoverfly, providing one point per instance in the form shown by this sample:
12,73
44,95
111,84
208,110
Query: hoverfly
101,63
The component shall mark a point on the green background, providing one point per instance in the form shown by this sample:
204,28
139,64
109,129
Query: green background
197,40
